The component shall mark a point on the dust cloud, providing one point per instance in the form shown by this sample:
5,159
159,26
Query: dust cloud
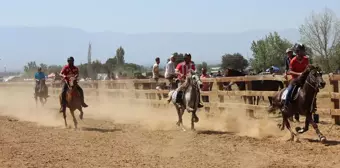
19,103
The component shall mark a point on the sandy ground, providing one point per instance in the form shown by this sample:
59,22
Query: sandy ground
115,133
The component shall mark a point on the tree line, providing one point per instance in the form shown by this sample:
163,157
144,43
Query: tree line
320,33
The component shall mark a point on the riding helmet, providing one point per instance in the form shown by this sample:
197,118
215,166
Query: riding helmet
299,47
70,59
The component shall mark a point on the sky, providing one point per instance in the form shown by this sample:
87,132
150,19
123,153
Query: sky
150,16
145,16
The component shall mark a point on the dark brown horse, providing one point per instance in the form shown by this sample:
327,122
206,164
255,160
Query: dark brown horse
302,102
73,100
257,85
41,92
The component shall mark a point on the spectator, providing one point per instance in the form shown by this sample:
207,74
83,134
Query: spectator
219,74
205,85
170,73
155,69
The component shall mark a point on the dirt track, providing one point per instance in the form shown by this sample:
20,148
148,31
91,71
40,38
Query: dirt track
122,135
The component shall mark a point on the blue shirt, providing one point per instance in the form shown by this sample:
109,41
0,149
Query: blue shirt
39,75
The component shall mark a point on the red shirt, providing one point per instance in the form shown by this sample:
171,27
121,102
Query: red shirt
298,66
69,71
184,68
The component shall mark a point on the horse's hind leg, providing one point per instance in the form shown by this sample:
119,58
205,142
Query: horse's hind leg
64,115
74,120
286,122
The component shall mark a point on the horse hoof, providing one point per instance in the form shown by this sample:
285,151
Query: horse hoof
323,139
81,117
193,129
290,140
196,119
299,130
298,141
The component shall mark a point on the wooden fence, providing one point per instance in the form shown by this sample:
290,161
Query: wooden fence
134,89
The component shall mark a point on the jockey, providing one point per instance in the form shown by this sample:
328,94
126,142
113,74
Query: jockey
182,69
68,71
297,65
39,76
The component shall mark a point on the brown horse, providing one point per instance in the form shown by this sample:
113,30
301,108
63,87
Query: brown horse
302,101
40,92
73,100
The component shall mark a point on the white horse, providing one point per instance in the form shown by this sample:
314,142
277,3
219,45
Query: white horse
187,99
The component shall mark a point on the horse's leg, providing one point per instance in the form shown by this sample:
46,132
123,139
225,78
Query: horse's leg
64,114
81,115
194,119
180,112
258,100
316,128
74,119
292,134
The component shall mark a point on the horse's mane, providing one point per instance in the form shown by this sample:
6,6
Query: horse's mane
302,78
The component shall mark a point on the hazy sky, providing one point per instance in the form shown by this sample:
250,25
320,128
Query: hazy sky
134,16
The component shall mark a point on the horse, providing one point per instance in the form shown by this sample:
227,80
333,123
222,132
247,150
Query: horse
187,99
302,101
256,85
40,91
73,100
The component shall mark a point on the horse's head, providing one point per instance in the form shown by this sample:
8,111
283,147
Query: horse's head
72,82
232,72
315,77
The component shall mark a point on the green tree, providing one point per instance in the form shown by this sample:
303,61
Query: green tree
120,56
321,32
234,61
269,51
30,68
179,57
54,69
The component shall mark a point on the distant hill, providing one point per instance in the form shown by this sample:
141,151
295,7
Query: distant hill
52,45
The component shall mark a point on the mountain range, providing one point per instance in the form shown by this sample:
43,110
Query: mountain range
52,45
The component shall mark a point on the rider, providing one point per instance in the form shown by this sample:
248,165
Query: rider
182,69
40,76
68,71
297,65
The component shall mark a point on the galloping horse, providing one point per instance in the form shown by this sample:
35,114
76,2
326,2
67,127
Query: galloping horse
40,92
73,100
187,99
302,101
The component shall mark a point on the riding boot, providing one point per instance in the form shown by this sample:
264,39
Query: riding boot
82,97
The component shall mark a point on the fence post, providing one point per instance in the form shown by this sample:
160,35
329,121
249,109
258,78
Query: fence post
335,84
250,112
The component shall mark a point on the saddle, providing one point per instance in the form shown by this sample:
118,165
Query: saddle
294,95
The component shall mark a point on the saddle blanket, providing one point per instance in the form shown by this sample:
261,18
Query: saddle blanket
295,94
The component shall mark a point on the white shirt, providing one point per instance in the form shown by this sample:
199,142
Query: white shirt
169,69
155,71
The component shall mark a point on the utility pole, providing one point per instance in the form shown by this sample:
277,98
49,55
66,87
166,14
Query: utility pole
89,65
